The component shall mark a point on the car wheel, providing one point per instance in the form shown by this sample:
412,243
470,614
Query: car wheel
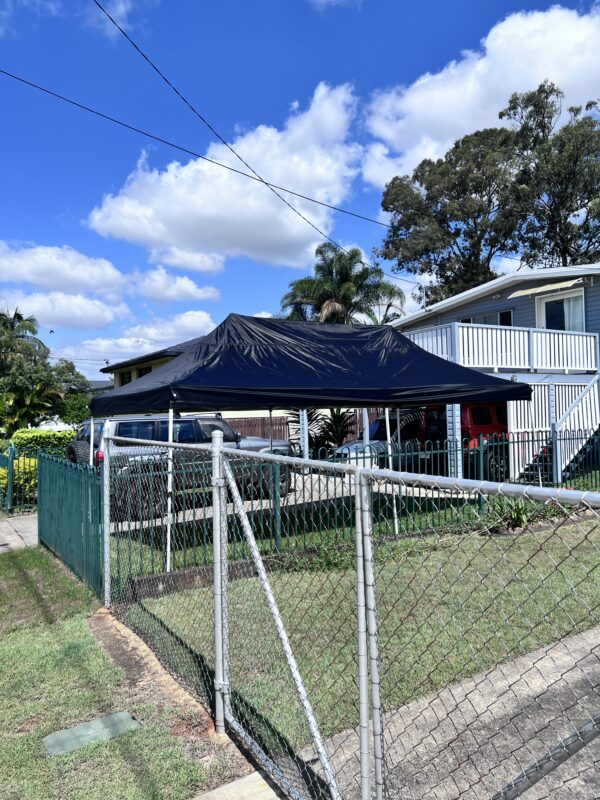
496,466
71,454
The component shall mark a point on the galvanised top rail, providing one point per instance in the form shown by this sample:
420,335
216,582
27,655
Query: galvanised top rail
495,347
569,497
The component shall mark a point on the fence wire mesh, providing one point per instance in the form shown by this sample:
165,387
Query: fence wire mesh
443,633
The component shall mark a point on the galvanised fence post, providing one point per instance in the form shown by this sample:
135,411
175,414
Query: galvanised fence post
217,483
372,627
224,530
106,524
363,653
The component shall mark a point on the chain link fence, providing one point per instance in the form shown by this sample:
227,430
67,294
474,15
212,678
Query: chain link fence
543,457
362,632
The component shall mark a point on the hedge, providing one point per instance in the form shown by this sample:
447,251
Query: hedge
34,440
24,481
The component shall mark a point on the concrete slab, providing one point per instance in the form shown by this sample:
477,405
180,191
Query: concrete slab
252,787
26,527
18,532
471,739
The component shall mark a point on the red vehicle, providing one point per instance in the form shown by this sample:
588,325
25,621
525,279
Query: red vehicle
484,435
419,441
489,421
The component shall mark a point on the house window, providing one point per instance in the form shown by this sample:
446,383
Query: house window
561,312
494,318
143,371
125,378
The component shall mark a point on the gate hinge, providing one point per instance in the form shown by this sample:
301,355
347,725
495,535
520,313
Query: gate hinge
222,687
218,482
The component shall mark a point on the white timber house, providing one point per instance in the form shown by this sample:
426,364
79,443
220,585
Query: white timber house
537,326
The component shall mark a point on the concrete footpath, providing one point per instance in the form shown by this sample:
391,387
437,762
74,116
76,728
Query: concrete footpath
18,532
251,787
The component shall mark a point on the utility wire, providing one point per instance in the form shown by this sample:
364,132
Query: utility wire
186,150
193,153
215,132
224,141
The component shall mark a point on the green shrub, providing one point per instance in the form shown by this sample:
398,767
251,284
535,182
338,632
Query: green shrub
33,440
24,480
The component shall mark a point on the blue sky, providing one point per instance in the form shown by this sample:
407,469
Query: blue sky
121,245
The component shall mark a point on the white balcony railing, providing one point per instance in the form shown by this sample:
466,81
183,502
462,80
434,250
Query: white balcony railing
495,347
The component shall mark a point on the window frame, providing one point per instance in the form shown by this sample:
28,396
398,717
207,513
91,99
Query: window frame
473,319
135,422
540,307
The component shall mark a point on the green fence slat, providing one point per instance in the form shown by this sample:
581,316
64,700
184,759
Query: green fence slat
70,516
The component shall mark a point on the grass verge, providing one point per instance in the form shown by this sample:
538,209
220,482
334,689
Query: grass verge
53,674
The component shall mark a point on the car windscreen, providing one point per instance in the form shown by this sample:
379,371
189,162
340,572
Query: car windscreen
207,426
135,429
377,430
83,434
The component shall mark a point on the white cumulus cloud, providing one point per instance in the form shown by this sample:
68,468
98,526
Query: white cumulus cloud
120,11
49,267
196,214
10,8
162,286
60,309
139,339
423,119
167,331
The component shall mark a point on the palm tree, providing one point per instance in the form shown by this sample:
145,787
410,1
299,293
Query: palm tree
389,305
342,288
24,406
17,335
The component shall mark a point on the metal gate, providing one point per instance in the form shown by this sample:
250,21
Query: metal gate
247,593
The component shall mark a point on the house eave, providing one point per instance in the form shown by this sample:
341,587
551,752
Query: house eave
503,282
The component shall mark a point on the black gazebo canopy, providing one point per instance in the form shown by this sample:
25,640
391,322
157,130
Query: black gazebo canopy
254,363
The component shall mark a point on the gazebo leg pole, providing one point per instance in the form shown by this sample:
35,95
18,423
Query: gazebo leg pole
91,441
366,439
304,433
388,436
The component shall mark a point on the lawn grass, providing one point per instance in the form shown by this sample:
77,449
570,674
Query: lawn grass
138,550
449,606
53,674
36,589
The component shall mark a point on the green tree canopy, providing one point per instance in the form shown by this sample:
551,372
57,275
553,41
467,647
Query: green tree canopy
31,389
18,336
558,178
341,289
454,216
531,190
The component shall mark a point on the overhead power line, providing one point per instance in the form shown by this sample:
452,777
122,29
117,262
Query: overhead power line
224,141
211,128
186,150
189,151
